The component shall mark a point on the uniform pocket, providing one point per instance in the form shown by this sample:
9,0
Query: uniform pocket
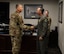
18,32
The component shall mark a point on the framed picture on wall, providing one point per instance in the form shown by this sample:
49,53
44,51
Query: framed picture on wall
30,11
60,11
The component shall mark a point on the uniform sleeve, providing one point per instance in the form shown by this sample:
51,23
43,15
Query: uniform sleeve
44,27
12,20
12,25
21,22
50,21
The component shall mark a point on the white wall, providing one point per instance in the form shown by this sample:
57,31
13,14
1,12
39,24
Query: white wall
52,6
61,32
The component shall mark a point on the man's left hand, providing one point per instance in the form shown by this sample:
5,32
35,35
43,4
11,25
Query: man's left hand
40,38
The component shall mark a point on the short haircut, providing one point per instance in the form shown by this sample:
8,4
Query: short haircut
47,11
42,10
17,5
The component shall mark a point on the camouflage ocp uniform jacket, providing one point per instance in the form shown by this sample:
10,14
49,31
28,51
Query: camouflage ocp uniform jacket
16,25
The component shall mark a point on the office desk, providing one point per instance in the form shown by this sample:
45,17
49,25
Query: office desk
28,45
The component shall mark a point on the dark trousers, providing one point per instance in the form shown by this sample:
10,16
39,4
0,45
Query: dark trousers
42,46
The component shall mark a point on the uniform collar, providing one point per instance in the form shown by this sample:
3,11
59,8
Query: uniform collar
17,12
42,17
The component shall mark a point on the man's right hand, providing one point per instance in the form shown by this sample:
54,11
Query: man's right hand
32,28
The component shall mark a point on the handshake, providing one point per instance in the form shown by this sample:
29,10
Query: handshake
32,28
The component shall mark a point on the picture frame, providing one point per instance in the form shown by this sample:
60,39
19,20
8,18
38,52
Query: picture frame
30,11
60,11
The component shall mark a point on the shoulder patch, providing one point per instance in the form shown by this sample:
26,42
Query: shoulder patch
12,16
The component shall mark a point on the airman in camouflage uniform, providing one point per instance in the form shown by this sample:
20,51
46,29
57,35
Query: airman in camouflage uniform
16,27
42,32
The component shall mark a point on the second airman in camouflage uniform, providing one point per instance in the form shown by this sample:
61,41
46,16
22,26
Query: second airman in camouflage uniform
16,27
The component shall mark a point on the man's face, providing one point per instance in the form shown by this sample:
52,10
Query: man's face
20,8
38,11
46,13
